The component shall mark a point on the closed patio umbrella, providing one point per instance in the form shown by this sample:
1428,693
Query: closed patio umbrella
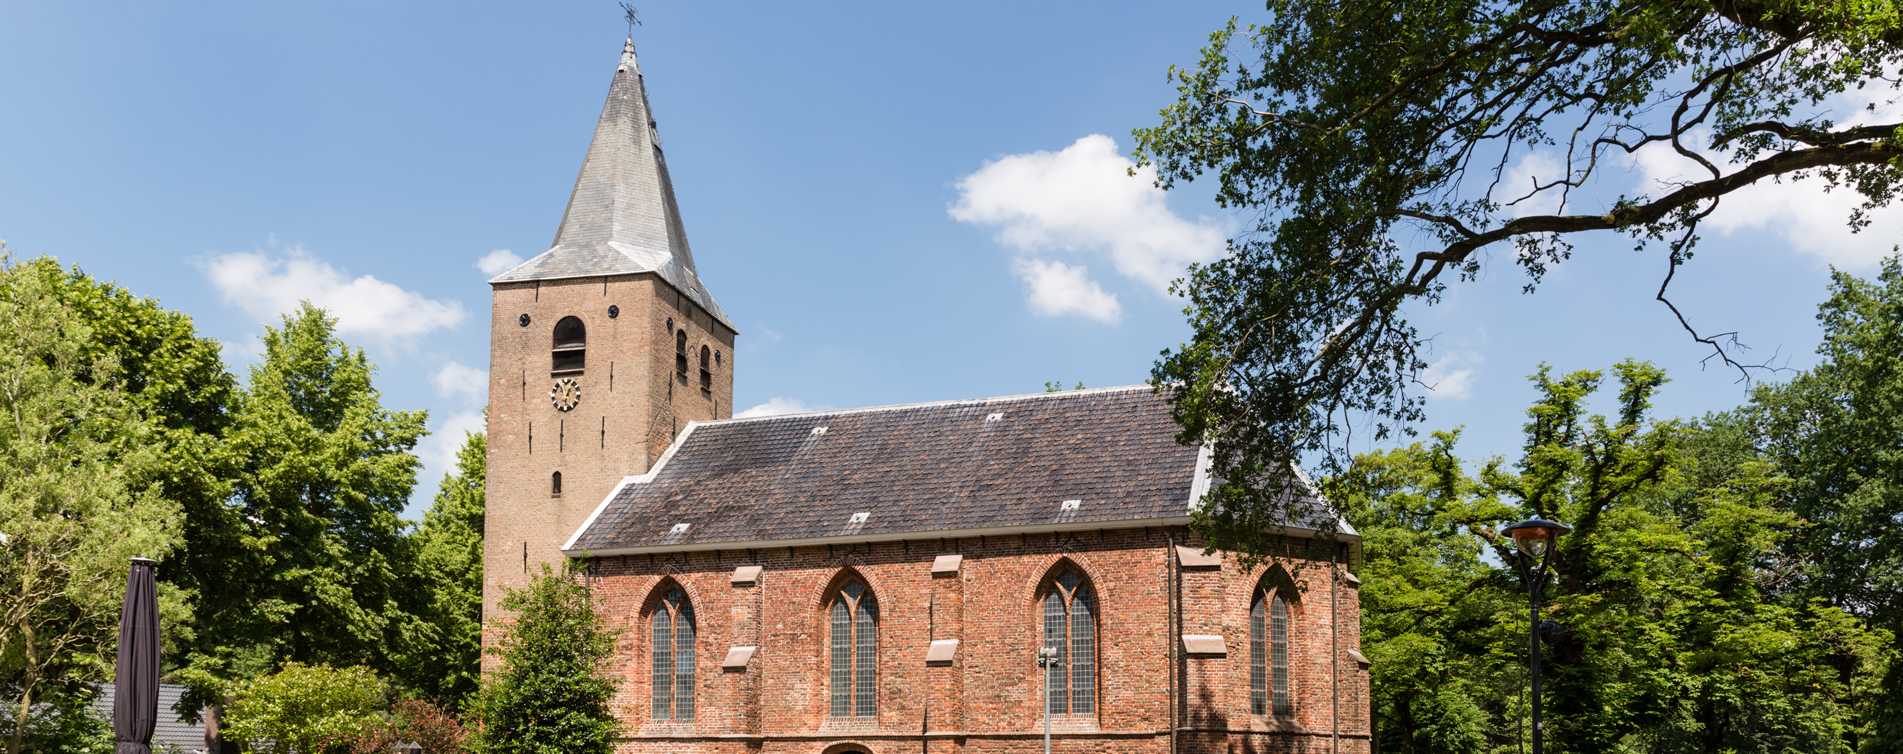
135,701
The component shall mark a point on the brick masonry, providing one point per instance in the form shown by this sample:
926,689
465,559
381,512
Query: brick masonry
987,698
633,402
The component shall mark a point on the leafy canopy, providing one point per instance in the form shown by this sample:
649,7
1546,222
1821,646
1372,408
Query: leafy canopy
1675,634
1373,141
551,694
78,500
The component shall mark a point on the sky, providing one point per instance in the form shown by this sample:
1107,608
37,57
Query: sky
894,202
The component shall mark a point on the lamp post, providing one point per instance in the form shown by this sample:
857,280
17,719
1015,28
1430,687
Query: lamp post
1534,539
1047,659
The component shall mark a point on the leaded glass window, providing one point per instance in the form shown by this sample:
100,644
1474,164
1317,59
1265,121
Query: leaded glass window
1258,658
1070,632
1278,655
854,652
671,647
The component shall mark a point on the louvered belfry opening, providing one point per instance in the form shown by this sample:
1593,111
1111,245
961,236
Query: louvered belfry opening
570,351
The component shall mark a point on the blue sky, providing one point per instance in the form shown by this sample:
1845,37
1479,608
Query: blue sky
894,201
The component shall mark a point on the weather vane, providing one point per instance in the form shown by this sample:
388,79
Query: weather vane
633,18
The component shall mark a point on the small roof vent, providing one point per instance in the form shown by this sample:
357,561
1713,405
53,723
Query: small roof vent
676,533
857,522
1067,510
819,430
996,416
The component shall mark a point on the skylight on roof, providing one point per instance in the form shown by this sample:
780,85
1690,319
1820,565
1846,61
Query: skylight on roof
1067,510
857,522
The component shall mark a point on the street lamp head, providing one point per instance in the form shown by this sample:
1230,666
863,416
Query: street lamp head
1535,535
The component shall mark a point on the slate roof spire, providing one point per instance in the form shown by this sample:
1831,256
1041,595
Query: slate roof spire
622,217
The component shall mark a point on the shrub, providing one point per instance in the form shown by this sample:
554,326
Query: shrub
305,709
551,694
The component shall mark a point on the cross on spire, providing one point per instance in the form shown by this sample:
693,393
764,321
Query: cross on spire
628,13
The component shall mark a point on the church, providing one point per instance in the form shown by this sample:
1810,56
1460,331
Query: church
959,576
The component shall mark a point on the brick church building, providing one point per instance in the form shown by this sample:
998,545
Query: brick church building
877,580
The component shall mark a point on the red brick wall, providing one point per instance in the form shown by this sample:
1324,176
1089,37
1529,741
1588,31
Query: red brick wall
988,698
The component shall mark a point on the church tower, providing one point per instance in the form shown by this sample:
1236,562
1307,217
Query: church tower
600,349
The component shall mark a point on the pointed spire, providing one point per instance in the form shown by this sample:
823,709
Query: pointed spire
622,217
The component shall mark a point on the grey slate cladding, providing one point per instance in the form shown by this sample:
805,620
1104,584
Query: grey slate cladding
917,470
169,731
622,217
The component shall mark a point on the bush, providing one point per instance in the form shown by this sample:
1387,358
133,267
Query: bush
413,721
550,696
305,709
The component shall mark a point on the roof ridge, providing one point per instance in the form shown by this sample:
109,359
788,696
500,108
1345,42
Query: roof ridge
930,404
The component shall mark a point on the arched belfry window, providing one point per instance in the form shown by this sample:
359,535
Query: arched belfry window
1070,633
1270,619
672,656
706,368
571,346
853,644
680,353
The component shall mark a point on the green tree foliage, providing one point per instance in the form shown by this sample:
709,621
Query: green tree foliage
551,694
1674,634
442,658
305,709
1837,431
77,501
1375,141
178,380
323,472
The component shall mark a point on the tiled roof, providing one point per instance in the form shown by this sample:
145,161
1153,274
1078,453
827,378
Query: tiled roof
1076,460
622,217
169,731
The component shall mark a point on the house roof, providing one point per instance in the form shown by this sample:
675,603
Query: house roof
168,731
1077,460
622,217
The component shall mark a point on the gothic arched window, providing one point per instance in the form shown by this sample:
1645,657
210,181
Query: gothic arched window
680,353
672,645
853,651
1070,633
1269,627
571,346
706,368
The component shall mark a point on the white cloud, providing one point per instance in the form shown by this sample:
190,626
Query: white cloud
497,261
1806,213
776,406
456,379
268,285
1451,377
1057,289
438,450
1083,199
1532,169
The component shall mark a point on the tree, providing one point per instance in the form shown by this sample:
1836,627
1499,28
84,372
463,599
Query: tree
323,474
1353,130
1674,635
1835,431
306,709
76,504
442,659
551,694
179,382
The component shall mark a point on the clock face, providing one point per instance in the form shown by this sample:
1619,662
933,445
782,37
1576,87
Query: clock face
566,394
